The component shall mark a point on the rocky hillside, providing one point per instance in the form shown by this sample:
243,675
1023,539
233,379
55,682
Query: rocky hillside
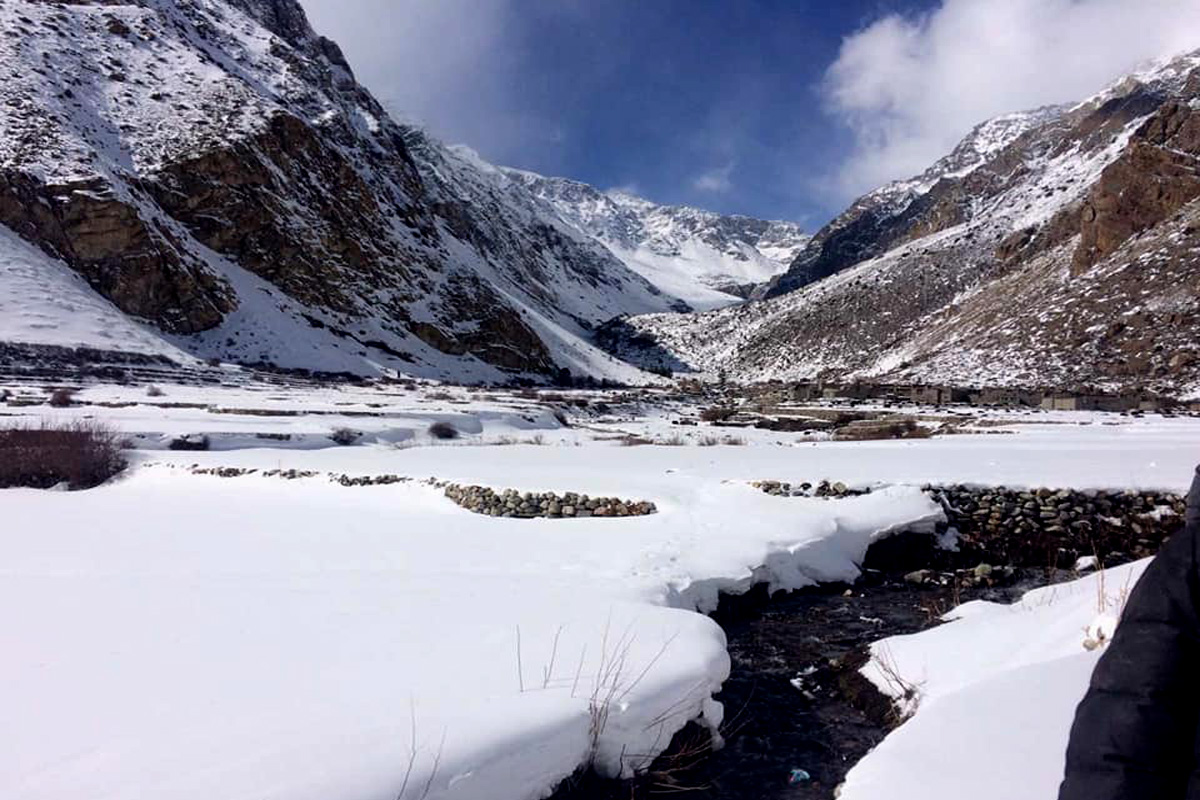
1059,248
212,170
706,259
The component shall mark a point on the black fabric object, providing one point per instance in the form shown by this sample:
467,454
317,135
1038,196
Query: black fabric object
1136,731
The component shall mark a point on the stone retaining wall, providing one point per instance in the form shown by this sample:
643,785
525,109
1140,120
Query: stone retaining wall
1043,527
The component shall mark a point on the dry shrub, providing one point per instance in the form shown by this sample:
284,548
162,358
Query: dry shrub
345,436
81,454
190,442
717,413
62,398
439,395
154,391
443,430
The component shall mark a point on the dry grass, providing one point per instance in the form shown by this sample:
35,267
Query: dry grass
634,441
717,441
80,454
906,694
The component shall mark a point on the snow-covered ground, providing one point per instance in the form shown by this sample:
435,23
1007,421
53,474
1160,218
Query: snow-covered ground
995,694
180,635
42,301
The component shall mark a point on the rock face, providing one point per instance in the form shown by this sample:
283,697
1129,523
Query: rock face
213,168
131,261
1059,248
1153,179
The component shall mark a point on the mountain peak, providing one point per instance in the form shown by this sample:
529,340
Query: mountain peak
704,258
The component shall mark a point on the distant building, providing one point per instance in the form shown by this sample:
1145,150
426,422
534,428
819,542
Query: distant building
998,396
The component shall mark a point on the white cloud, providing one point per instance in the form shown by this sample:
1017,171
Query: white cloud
447,64
715,181
910,87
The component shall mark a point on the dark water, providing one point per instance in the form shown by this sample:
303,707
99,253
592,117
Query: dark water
773,727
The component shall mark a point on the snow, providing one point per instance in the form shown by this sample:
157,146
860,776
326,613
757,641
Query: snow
181,635
996,693
997,688
309,638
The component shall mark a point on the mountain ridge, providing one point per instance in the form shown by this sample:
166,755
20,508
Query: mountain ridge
214,170
993,277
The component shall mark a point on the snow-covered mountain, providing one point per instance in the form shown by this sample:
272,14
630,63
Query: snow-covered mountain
218,178
1055,248
706,259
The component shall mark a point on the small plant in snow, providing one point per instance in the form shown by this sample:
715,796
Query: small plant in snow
906,695
154,391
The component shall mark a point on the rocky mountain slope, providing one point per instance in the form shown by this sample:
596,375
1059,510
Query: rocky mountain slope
214,172
1059,248
706,259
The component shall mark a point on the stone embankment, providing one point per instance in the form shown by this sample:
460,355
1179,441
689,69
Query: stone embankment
1042,527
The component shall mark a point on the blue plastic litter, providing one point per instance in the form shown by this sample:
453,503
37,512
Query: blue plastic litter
799,776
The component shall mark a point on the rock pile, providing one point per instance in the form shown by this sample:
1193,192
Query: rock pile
369,480
528,505
241,472
822,489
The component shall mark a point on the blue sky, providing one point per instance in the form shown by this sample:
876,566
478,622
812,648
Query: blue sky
775,108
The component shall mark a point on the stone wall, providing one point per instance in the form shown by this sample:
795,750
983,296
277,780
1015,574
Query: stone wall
1050,528
511,503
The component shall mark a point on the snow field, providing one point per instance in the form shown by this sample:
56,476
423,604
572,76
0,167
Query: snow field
180,636
996,693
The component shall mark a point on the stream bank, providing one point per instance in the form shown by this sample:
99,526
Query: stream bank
799,715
